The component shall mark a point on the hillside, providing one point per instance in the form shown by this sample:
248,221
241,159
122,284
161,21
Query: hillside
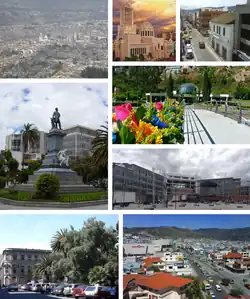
237,234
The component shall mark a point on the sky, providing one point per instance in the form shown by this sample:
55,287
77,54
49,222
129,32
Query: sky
161,13
78,104
191,161
187,221
193,4
35,231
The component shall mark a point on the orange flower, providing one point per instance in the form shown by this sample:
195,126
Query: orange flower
113,117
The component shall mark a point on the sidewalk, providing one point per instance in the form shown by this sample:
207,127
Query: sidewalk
223,130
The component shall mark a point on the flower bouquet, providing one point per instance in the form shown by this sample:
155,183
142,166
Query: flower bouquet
155,123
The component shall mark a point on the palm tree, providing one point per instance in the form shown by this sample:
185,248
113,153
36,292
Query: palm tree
30,135
100,148
44,267
58,241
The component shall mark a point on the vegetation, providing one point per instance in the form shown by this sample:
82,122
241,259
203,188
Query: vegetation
193,291
236,292
88,255
94,72
47,186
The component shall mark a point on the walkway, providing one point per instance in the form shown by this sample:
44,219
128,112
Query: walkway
206,127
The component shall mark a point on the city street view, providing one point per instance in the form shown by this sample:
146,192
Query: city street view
181,105
144,30
52,155
54,38
181,179
186,256
211,31
71,255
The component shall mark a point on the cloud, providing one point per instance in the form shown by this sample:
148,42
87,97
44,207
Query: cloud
201,163
79,104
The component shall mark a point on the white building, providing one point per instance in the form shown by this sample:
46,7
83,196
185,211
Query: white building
221,35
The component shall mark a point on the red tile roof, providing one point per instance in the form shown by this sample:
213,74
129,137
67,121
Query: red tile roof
232,255
157,281
150,260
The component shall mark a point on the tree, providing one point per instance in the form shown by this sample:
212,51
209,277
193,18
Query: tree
8,166
236,292
30,135
170,86
44,267
193,291
206,87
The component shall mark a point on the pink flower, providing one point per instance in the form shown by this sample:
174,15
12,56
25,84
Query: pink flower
123,111
159,106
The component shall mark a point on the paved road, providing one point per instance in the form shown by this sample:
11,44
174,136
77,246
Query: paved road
24,295
188,206
206,54
9,207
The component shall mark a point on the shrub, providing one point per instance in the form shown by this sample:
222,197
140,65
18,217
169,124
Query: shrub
47,186
2,182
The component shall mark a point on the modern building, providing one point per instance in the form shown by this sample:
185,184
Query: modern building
205,16
221,35
139,40
17,264
78,141
242,33
14,143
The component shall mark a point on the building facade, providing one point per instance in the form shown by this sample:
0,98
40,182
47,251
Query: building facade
139,40
17,264
221,35
242,33
205,16
78,141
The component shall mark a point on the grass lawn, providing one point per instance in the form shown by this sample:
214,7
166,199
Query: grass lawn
27,196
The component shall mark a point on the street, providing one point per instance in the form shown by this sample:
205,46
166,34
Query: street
24,295
206,54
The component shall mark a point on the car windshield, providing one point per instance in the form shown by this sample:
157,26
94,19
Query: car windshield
90,288
82,286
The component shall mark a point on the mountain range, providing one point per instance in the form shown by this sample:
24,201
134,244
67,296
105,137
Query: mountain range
235,234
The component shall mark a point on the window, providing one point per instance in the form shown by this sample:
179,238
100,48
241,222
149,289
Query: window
22,257
224,31
14,257
29,257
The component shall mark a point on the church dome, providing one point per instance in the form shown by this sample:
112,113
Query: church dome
187,88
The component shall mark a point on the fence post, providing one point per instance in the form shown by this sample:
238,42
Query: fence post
225,114
240,115
216,107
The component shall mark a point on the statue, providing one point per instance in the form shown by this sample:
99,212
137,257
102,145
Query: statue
55,120
63,158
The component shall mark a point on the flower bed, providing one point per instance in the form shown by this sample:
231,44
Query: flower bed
155,123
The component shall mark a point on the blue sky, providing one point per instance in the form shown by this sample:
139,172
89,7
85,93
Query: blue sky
78,103
35,231
187,221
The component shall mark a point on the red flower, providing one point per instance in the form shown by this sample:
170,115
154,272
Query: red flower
123,111
159,106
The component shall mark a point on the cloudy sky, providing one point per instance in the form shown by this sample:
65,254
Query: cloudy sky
192,4
198,162
161,13
79,104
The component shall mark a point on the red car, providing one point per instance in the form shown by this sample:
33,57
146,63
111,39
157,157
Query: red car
78,292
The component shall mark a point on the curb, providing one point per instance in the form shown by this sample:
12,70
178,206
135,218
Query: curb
62,205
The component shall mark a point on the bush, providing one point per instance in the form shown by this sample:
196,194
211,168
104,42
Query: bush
47,186
2,182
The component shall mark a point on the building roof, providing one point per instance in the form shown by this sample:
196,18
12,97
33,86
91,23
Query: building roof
157,281
150,260
225,18
232,255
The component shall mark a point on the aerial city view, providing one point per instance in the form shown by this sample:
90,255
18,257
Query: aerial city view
53,39
181,105
186,256
52,155
215,30
65,258
181,179
144,30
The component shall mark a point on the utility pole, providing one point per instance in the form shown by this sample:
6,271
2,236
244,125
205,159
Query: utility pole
153,193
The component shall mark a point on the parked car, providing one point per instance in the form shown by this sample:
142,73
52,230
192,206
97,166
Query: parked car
97,292
190,54
68,289
13,288
36,288
202,45
26,287
59,290
53,288
218,288
78,292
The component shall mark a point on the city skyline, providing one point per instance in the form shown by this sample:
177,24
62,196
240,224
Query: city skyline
160,13
215,162
187,221
35,231
34,103
211,3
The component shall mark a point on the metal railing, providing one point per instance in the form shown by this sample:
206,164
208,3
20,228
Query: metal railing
234,111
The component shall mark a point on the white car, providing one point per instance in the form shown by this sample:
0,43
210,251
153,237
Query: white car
188,46
68,289
218,288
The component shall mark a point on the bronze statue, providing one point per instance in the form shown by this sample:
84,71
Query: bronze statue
55,120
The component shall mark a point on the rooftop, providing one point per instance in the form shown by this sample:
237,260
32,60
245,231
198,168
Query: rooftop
151,260
157,281
225,18
232,255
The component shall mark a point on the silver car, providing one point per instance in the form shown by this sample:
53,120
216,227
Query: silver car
68,289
